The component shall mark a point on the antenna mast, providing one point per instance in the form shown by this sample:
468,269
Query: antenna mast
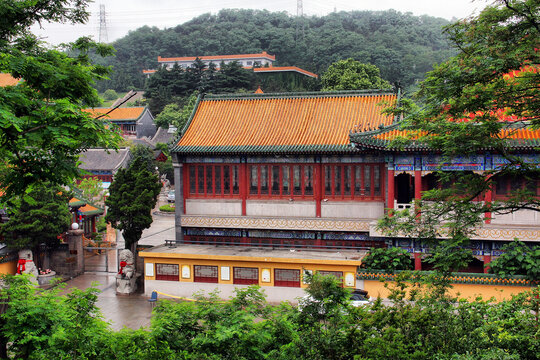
300,18
103,38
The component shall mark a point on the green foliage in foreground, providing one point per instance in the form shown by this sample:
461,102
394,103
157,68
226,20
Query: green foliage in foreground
42,324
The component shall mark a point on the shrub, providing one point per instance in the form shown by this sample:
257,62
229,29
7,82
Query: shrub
387,259
110,95
517,259
166,208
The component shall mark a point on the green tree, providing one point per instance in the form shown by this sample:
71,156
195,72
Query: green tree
181,120
92,189
143,155
352,75
479,85
37,218
169,114
42,125
133,195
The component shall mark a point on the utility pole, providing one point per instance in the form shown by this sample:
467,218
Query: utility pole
103,38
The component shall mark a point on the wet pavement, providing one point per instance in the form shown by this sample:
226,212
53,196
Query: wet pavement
133,311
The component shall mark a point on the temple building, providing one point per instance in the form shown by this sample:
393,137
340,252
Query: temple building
275,171
133,122
260,175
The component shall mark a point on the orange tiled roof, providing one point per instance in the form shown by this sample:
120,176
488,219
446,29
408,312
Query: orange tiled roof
260,123
151,71
285,68
264,54
522,138
129,113
8,80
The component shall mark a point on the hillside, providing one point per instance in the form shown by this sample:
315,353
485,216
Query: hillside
403,46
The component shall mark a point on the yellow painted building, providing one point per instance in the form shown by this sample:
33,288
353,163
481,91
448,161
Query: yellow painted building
244,266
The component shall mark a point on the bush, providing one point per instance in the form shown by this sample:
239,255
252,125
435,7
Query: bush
387,259
517,259
110,95
166,208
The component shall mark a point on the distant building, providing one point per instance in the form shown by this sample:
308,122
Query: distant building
248,60
271,78
133,121
104,164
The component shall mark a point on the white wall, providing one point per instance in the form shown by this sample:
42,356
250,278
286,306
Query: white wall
213,207
520,217
352,209
280,208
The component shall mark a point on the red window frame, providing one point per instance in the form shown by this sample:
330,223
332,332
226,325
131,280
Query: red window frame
203,180
361,181
245,276
292,180
287,277
506,185
199,276
160,275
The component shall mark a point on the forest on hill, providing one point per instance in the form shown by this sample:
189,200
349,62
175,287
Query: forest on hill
403,46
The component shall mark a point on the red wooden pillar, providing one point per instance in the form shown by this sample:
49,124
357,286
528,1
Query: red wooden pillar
418,185
417,189
185,188
390,198
487,260
318,189
243,186
417,261
94,224
488,197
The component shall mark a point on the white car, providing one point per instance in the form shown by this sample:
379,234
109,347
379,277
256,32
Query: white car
170,196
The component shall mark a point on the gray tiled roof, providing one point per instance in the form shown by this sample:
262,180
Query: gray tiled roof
101,159
163,136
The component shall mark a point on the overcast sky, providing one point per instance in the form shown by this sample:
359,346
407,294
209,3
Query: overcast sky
125,15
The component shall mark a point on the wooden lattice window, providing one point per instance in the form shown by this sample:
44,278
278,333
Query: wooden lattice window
205,273
287,277
167,272
243,275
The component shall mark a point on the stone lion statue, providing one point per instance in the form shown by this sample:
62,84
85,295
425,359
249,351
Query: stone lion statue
127,265
26,264
126,277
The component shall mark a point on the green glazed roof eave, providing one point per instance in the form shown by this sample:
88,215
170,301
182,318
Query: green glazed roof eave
281,149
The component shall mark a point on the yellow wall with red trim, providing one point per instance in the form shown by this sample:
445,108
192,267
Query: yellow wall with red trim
261,265
376,288
9,268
